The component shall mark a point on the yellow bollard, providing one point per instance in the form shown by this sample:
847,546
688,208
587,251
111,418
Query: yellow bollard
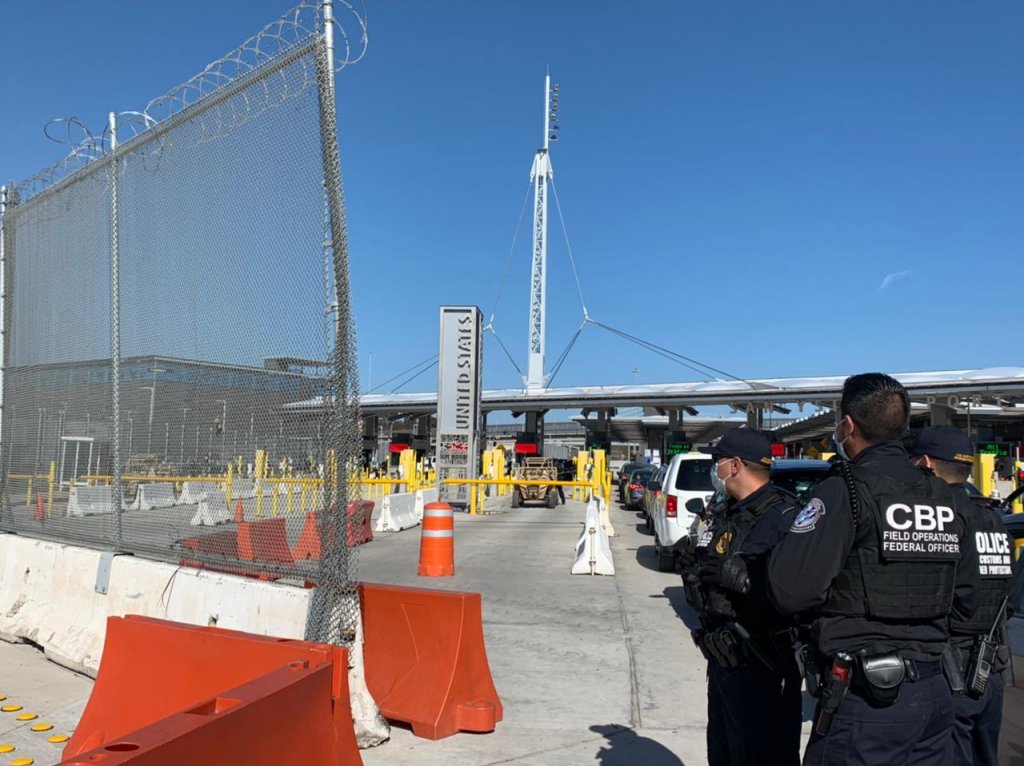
499,470
288,499
984,465
53,479
302,498
1017,468
28,492
407,468
273,502
582,461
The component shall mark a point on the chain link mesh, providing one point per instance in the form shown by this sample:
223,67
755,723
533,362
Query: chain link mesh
179,363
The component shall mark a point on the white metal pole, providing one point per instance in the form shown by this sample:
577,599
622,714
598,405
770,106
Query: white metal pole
3,315
115,330
327,6
540,174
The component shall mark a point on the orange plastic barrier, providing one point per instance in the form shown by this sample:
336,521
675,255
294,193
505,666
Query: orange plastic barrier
256,541
426,663
283,716
152,669
359,530
437,541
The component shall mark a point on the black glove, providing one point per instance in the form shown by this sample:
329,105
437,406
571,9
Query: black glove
734,575
711,572
687,556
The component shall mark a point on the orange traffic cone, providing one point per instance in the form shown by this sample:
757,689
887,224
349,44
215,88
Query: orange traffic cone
239,513
39,516
437,543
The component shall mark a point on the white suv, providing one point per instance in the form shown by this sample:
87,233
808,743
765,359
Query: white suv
688,476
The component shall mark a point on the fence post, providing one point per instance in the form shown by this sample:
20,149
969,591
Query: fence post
115,328
227,487
52,478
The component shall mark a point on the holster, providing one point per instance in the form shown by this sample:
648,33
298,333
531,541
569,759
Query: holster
952,669
807,661
879,679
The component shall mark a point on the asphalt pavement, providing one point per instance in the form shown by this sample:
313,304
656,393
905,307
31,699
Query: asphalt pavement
589,669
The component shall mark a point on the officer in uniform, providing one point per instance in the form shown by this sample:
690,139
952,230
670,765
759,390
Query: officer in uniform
754,705
949,453
873,559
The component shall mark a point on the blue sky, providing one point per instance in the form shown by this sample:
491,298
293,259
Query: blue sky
738,179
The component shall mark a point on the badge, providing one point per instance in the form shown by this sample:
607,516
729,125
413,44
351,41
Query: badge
723,543
808,517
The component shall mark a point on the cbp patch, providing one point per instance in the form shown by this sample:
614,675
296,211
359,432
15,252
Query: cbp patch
808,517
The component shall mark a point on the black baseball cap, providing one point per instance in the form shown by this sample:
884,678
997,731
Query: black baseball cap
744,443
944,443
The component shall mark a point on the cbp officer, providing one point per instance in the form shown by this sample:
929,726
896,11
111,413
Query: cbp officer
949,453
754,709
873,559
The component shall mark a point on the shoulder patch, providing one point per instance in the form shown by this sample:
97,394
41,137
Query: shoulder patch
806,520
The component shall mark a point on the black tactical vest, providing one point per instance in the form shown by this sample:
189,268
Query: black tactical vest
995,568
902,565
728,539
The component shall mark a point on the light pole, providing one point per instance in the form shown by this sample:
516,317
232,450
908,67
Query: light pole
152,400
131,432
223,424
167,440
181,457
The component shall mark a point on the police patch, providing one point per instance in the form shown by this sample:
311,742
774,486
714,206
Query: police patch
808,516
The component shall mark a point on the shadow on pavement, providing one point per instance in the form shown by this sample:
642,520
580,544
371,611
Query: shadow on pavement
647,557
676,596
627,748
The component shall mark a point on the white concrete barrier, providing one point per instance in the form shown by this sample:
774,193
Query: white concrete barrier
194,491
593,551
90,501
424,496
48,596
156,495
212,510
397,512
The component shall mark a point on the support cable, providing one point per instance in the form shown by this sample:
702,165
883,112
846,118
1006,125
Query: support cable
572,261
379,386
508,261
565,353
490,328
413,377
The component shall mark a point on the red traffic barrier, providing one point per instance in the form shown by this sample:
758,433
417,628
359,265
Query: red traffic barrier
437,541
359,530
152,669
426,663
283,713
39,515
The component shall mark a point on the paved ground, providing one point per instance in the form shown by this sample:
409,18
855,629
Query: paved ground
590,669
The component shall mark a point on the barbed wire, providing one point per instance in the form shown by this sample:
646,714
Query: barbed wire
259,59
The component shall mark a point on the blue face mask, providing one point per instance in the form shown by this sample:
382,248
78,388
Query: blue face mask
840,449
717,481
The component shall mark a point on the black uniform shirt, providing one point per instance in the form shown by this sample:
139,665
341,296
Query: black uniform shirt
804,566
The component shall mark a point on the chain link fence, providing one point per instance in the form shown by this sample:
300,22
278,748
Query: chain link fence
179,373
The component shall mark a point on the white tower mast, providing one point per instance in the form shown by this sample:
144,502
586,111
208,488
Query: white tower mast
541,172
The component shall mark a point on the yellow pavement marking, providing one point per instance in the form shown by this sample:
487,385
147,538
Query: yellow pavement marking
10,708
58,738
7,748
42,727
27,717
22,762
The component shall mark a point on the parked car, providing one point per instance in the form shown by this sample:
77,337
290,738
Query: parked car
635,486
688,476
798,477
623,476
650,498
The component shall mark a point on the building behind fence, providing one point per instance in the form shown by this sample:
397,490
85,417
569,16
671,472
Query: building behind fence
171,287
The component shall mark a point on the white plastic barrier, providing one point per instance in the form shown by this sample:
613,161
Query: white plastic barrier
606,520
157,495
397,512
424,496
593,551
212,510
194,491
90,501
243,488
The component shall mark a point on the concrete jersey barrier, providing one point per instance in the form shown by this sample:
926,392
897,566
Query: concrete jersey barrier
194,491
397,512
243,488
90,501
593,550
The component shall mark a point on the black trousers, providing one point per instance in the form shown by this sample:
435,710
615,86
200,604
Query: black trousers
978,721
753,716
915,730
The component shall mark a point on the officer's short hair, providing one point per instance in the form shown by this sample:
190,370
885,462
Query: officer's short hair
947,470
758,468
878,404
